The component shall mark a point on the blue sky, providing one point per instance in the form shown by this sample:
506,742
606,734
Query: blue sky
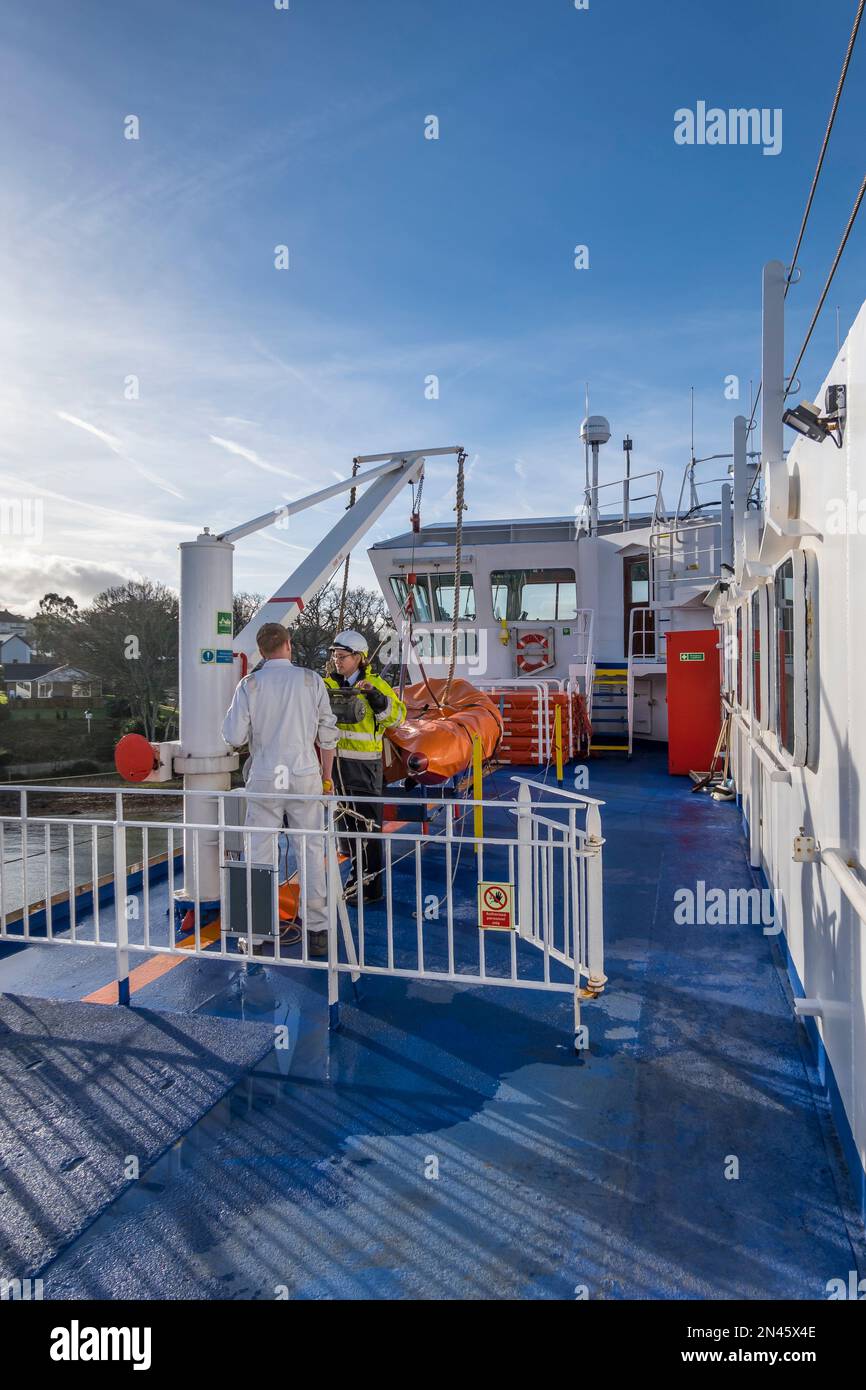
409,257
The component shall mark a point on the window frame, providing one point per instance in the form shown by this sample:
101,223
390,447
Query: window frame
424,581
569,617
804,574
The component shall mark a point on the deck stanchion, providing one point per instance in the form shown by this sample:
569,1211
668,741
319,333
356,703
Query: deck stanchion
524,861
334,888
121,921
594,906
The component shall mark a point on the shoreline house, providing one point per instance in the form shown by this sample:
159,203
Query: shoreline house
47,684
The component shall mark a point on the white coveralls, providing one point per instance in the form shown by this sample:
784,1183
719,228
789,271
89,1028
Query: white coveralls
282,711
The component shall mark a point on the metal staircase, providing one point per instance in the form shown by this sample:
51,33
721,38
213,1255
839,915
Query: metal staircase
610,708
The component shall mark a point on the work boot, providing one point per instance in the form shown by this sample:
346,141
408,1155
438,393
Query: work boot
317,945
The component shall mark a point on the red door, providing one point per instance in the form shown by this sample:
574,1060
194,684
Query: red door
694,699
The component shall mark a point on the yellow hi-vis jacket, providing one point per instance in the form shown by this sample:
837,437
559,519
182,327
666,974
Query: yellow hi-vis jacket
364,740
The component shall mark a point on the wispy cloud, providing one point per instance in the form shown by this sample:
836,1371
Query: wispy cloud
240,451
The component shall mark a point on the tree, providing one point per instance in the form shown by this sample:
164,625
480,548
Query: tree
244,606
318,624
52,613
128,637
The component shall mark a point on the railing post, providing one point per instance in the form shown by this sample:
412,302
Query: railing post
525,917
334,886
594,901
120,917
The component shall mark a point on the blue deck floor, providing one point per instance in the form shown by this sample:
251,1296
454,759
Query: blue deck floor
313,1177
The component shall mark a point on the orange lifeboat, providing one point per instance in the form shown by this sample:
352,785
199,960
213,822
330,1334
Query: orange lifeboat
435,741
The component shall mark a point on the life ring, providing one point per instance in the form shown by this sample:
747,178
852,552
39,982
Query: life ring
533,651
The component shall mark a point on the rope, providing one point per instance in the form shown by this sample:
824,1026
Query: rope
409,606
459,507
352,496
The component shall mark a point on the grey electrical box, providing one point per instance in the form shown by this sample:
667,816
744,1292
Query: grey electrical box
263,895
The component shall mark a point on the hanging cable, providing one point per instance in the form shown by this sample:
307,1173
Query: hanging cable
824,144
832,117
836,259
459,507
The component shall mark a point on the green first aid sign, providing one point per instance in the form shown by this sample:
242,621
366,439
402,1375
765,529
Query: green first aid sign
692,656
224,624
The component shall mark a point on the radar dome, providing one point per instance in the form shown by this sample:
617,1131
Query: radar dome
595,429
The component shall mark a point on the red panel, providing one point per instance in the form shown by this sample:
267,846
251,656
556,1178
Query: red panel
694,699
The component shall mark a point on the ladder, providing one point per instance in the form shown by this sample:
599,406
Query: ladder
610,725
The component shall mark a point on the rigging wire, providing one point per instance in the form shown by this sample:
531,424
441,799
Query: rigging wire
831,119
824,144
836,259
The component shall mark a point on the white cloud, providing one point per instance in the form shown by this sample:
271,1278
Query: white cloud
27,576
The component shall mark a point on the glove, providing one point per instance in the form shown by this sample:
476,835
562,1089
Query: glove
375,699
327,786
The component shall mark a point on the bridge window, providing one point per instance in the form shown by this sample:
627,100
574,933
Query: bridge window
434,596
534,595
784,610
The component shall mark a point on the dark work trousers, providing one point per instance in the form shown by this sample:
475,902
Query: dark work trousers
360,777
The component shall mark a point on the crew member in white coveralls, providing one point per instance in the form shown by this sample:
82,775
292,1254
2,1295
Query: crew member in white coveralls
284,713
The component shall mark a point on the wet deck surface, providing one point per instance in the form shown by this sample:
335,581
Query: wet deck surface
447,1143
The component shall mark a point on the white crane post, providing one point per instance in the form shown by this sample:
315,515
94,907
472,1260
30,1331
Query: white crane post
207,683
727,528
741,495
773,395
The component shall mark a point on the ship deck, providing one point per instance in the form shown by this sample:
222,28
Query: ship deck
448,1143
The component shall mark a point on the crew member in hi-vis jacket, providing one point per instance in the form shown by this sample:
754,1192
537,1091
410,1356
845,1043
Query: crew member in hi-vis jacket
365,706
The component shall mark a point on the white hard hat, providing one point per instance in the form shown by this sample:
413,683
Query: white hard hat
352,641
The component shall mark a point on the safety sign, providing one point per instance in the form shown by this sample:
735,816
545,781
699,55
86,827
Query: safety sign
496,906
224,623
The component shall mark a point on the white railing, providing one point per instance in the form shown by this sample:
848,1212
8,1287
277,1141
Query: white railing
619,502
688,555
541,692
95,882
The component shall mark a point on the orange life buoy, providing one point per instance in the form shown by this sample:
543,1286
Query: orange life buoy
533,651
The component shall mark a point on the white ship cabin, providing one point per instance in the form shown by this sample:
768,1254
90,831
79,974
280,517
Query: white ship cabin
586,599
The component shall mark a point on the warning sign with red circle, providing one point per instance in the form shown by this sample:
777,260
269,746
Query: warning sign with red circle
496,906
